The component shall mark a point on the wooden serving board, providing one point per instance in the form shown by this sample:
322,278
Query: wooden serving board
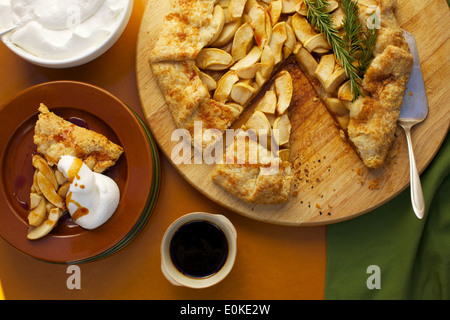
331,183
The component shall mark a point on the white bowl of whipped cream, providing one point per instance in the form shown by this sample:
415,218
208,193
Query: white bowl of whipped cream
63,33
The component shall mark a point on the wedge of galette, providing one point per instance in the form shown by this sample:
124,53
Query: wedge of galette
67,177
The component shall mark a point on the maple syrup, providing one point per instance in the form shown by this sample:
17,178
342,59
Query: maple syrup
199,249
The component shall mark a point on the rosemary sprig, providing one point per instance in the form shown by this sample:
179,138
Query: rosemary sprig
354,50
320,18
368,46
352,28
360,43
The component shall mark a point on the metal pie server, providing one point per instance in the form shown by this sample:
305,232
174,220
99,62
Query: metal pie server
414,110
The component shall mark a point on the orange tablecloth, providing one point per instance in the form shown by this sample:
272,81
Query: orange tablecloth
273,262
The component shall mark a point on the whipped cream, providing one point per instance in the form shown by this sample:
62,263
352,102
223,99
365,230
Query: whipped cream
60,29
92,198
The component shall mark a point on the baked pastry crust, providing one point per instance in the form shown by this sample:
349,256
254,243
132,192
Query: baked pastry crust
267,180
56,137
182,88
373,118
187,29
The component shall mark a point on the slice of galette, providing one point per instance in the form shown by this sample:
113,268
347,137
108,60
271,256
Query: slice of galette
55,138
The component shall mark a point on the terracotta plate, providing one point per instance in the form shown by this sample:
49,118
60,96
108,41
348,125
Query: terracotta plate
136,172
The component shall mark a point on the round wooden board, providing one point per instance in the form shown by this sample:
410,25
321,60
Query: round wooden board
332,183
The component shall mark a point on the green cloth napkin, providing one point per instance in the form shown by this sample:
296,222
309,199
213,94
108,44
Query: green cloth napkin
389,253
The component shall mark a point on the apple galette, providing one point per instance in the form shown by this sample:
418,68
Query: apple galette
215,58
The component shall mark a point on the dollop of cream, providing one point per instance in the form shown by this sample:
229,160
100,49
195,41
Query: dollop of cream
92,198
62,29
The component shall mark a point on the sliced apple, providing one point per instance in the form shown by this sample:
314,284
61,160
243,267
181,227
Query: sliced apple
41,164
63,190
345,92
258,19
47,226
284,89
208,81
303,9
218,22
236,9
37,215
302,29
338,17
249,5
325,67
307,61
267,64
268,103
332,5
258,122
291,6
318,44
268,25
282,130
243,41
247,71
264,3
274,11
35,199
279,37
241,93
225,85
214,59
335,80
49,191
297,48
60,178
236,106
35,186
227,34
251,58
336,107
290,42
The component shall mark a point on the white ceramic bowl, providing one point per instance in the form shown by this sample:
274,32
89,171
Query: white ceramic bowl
178,278
80,59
